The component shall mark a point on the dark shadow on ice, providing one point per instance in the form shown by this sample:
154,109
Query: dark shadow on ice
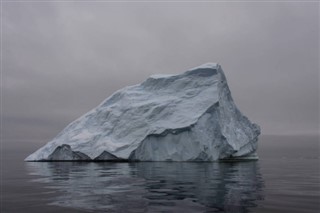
152,186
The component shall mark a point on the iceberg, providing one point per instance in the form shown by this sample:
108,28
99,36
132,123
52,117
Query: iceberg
184,117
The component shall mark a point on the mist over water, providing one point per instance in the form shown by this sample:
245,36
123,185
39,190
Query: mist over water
285,179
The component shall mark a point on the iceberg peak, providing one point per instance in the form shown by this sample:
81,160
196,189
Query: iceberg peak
209,65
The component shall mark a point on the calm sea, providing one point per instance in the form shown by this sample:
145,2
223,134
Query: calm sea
285,179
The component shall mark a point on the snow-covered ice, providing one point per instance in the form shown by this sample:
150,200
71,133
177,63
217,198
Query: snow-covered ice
185,117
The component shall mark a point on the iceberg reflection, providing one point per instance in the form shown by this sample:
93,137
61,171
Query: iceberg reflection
152,186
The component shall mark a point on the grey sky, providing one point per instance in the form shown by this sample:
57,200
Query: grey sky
61,59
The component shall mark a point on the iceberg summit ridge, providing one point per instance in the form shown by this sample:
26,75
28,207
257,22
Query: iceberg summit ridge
184,117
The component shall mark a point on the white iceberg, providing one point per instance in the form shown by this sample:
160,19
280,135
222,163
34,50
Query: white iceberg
185,117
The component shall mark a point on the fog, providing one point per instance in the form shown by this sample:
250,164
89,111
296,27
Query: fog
61,59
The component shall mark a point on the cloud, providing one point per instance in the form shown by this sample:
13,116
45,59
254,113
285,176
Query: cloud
60,59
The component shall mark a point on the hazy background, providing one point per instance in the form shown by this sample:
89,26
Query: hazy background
60,59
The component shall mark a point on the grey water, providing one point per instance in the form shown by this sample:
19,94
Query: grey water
286,178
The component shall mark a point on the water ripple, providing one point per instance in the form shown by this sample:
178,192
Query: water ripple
152,186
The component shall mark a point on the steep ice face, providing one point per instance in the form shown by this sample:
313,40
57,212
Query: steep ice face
186,117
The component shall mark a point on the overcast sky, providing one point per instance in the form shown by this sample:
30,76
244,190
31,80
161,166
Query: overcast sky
61,59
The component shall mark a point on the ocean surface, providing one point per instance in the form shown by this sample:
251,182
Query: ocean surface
286,178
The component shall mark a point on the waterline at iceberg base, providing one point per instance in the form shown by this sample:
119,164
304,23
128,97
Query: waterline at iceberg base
185,117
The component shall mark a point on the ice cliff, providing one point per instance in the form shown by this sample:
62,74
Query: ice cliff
185,117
